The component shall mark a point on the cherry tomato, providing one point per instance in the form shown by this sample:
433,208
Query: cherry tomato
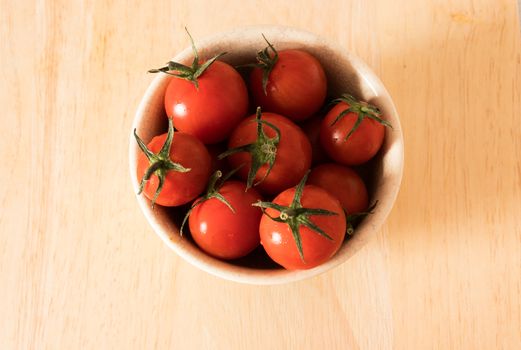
296,85
311,128
186,181
343,183
293,153
278,239
211,111
222,233
348,142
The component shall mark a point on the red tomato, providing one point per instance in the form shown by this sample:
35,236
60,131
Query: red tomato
278,240
363,143
211,111
311,128
343,183
296,86
179,187
222,233
293,153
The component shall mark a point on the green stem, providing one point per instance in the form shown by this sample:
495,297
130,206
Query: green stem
355,218
190,73
295,215
212,191
265,62
263,150
362,109
160,163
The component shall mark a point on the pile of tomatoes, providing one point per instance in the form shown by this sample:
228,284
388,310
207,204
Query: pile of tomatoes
278,174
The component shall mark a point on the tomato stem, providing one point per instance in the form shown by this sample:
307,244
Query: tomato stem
355,218
362,109
212,191
265,62
213,180
263,150
190,73
160,163
295,215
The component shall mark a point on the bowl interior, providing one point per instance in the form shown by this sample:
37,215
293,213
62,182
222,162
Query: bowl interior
346,74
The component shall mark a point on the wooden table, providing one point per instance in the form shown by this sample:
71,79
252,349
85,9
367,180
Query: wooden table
80,268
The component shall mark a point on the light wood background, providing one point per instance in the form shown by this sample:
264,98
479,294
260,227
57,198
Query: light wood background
80,268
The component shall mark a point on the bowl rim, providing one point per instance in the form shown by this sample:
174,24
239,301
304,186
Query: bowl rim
248,275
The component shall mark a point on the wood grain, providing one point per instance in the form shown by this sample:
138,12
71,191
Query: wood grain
81,268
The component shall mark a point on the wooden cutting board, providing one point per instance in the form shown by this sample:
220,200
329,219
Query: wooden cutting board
80,268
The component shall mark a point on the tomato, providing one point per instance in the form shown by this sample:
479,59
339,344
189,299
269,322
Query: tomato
207,99
296,83
311,128
343,183
211,111
182,164
290,157
352,132
224,233
294,218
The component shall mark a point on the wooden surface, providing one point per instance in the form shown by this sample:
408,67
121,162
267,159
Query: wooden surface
80,268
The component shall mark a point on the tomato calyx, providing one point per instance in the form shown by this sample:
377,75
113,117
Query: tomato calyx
362,109
160,163
355,218
190,73
266,62
212,191
295,215
263,150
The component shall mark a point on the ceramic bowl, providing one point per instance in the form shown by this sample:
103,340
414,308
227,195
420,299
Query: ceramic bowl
345,73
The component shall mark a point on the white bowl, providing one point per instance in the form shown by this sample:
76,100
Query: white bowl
345,73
